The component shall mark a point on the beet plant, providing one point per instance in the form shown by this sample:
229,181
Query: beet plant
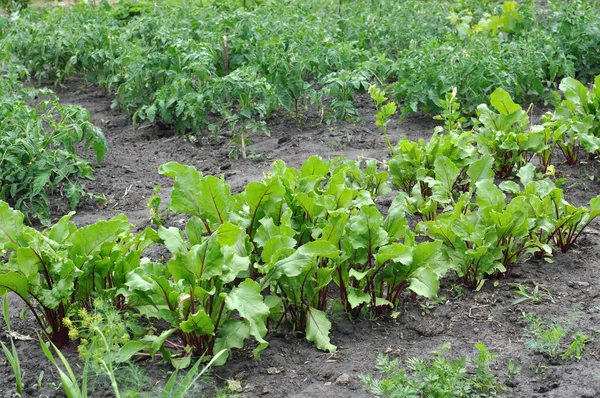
61,270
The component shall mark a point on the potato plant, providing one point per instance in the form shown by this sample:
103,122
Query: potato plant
37,148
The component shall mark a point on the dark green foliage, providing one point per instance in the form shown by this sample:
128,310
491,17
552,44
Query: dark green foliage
37,148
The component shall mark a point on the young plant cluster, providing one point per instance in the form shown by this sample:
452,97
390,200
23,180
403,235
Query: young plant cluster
439,377
210,68
449,183
38,156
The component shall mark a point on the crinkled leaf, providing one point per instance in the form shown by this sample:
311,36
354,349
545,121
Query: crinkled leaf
357,297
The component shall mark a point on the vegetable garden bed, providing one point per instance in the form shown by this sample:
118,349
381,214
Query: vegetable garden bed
486,205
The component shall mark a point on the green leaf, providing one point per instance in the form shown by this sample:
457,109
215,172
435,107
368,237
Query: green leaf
14,282
292,265
276,248
425,282
502,102
481,169
319,248
446,172
248,302
128,350
574,91
357,297
526,174
158,341
359,276
315,167
11,225
594,207
62,229
426,252
208,198
489,195
397,252
198,323
229,234
317,329
232,334
88,240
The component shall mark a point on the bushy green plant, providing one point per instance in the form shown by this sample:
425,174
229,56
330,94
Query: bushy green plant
550,338
37,149
66,267
14,5
437,377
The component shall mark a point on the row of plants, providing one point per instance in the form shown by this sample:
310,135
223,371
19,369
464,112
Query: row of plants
269,256
184,64
38,147
448,182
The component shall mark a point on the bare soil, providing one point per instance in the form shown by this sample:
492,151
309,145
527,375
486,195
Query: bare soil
291,366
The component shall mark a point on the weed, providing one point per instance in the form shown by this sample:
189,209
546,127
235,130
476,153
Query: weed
536,296
550,338
514,369
430,305
576,347
438,377
157,215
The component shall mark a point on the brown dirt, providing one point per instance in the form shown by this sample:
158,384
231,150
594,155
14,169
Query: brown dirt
292,367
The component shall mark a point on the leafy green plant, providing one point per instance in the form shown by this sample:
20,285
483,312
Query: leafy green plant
180,388
451,114
576,123
37,149
535,296
576,347
487,237
438,377
545,338
341,86
73,388
157,216
12,355
252,97
503,134
14,5
510,21
549,338
66,267
384,113
557,222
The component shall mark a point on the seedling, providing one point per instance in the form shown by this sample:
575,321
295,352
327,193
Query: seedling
548,338
576,347
384,113
437,377
536,296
